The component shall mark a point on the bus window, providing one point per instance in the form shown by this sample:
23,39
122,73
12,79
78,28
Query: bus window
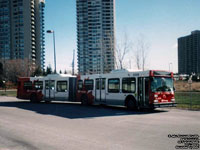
80,84
38,85
61,86
128,85
89,84
51,84
28,85
102,84
113,86
46,85
160,84
97,84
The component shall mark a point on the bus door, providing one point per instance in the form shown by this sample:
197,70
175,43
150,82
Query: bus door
100,90
61,92
143,91
49,89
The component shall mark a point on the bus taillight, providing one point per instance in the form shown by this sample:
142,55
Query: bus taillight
151,73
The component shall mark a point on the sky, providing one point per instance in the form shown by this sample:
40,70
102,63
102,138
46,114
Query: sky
159,22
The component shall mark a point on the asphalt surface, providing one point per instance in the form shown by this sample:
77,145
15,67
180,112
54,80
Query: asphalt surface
63,126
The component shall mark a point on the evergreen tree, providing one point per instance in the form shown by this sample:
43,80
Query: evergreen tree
38,72
48,70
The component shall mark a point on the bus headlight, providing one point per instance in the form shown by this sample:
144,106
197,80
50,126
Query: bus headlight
172,100
155,101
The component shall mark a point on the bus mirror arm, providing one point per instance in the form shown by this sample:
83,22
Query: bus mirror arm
174,89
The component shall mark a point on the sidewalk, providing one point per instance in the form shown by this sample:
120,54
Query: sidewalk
2,90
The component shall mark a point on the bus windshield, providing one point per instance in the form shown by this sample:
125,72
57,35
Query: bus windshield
160,84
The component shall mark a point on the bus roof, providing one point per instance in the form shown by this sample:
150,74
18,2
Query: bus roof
124,72
59,76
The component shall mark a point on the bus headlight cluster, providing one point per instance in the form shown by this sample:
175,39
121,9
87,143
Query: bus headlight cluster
155,96
173,100
155,101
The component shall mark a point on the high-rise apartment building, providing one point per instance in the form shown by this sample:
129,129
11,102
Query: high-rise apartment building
189,53
95,36
42,31
22,30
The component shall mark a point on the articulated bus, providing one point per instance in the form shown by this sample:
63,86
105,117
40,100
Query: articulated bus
52,87
142,89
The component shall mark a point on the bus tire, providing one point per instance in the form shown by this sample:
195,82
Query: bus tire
47,101
151,109
84,100
131,104
33,98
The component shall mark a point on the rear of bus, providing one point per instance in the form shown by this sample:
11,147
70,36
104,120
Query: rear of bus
24,85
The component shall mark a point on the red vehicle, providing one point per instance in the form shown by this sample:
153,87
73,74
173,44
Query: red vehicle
142,89
29,88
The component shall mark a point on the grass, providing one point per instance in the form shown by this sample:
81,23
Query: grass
184,86
189,100
186,100
12,93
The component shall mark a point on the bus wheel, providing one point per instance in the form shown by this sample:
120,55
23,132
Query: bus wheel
47,101
151,109
84,100
131,104
33,98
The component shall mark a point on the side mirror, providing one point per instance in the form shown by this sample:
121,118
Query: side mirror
174,89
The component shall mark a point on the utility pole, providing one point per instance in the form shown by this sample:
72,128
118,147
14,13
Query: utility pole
73,62
54,43
190,85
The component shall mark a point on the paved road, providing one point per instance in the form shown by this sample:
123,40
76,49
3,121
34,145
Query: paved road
62,126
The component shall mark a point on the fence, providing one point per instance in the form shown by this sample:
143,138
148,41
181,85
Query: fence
188,100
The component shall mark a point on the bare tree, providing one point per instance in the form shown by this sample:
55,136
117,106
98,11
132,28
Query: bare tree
122,50
141,53
17,68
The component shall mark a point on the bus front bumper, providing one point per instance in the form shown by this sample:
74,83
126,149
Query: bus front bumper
159,105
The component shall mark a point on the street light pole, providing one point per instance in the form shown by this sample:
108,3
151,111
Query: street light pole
170,67
4,67
54,43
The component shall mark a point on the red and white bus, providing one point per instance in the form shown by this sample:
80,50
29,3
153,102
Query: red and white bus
54,87
28,85
142,89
